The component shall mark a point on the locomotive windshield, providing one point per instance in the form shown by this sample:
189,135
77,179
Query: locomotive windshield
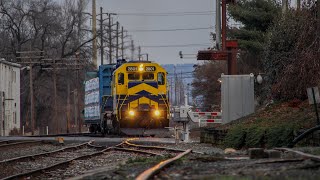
133,76
147,76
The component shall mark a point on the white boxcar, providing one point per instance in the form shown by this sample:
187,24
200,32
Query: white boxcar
9,97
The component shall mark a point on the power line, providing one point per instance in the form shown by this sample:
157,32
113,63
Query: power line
176,45
194,13
166,30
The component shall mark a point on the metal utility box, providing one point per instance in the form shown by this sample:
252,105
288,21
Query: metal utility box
237,96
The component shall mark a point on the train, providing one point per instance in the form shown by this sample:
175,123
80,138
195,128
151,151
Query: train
126,97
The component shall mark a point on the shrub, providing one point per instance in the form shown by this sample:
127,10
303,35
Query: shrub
255,136
279,136
235,137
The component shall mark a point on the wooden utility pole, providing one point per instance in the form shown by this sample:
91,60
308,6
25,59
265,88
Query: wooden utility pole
224,24
139,53
117,41
132,50
110,39
122,43
101,35
75,102
32,120
94,32
55,117
298,5
68,108
30,62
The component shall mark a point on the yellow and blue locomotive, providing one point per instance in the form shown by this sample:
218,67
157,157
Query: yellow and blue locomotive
132,95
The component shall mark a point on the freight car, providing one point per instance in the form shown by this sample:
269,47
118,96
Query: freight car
127,96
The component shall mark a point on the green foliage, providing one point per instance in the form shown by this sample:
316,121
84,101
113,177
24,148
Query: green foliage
235,137
255,136
256,17
258,136
279,136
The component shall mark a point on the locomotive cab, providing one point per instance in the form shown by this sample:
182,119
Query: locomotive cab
140,95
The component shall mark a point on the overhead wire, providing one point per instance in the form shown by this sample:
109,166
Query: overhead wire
166,30
175,45
194,13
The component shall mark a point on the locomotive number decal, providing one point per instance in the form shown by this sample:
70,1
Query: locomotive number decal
132,68
150,68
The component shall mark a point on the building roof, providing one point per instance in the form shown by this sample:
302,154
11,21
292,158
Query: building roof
9,63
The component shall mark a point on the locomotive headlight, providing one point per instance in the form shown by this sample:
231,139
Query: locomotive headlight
157,112
131,113
141,67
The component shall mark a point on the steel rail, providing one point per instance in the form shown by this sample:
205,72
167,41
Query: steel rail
136,151
157,147
149,173
43,154
19,143
304,155
4,142
57,165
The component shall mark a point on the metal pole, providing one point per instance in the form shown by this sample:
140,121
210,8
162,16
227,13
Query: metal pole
224,24
218,24
122,43
31,100
147,57
110,39
101,35
315,106
117,41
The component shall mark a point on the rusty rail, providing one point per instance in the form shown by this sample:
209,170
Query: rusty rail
136,151
147,174
157,147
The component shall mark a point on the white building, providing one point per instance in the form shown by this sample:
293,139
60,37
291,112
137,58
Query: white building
9,97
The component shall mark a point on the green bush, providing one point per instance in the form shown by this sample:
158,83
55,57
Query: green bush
279,136
255,136
235,137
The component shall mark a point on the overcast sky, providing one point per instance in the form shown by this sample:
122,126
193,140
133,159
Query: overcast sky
168,54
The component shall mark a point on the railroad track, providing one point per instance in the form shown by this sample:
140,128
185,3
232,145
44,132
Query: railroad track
67,154
9,166
9,144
